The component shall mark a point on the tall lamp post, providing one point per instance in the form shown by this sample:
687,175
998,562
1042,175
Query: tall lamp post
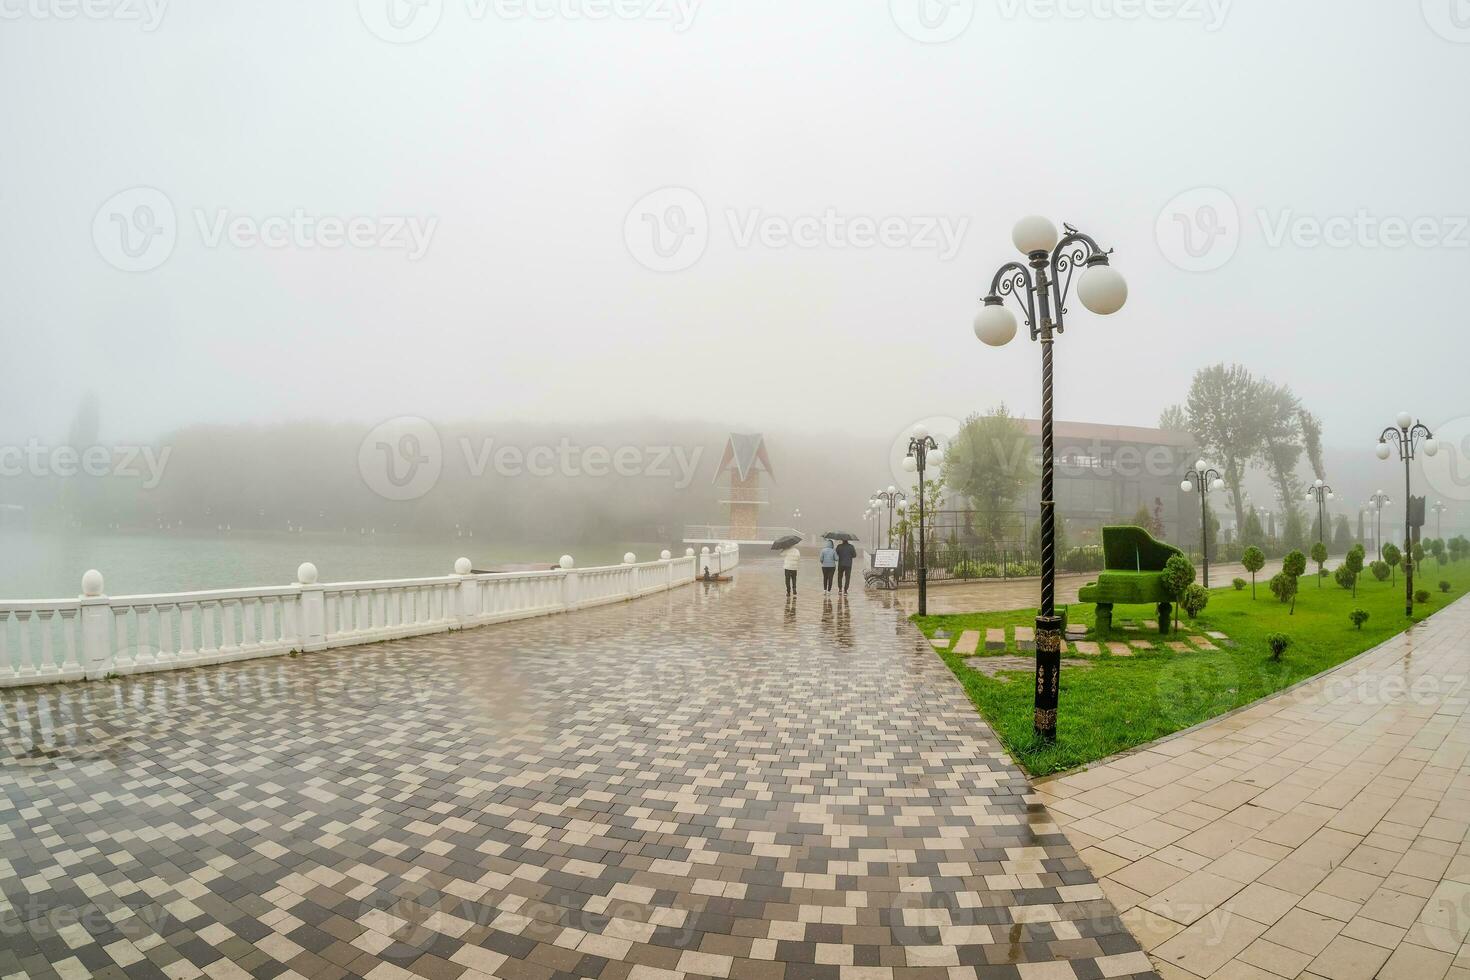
1321,493
1204,478
1439,509
1407,434
1039,289
923,450
890,498
1378,501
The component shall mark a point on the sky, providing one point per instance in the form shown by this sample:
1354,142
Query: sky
757,213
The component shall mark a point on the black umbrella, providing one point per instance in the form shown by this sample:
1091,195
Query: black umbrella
839,536
789,541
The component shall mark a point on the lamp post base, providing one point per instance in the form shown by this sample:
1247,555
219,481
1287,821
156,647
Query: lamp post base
1048,675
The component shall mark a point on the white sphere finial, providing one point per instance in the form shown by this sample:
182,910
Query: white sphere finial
921,431
665,555
462,566
704,550
92,583
567,562
630,558
1034,233
1200,466
306,574
688,552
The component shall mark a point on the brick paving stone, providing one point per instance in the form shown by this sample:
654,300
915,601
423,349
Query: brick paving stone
1323,830
702,783
1026,639
1087,648
1119,649
968,642
995,640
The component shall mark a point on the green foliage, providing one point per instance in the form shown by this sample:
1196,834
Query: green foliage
1254,560
1239,584
1358,617
1083,558
1421,596
1195,599
1380,570
987,463
1133,549
1393,556
1279,644
1346,577
1251,533
1177,577
1444,586
1295,564
1436,547
1342,535
1283,587
1319,555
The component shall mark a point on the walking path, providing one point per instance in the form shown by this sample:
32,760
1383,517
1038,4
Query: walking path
707,783
1322,833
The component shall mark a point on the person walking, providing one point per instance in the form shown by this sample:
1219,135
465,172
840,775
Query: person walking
791,561
846,553
828,558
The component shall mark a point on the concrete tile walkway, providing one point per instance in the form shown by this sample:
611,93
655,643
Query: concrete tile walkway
1322,833
710,783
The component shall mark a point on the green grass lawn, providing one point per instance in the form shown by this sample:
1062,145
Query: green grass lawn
1121,702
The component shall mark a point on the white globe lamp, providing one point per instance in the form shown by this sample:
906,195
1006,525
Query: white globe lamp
994,324
1102,289
1034,233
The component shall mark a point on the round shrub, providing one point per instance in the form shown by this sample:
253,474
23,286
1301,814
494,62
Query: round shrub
1195,598
1444,586
1358,617
1239,584
1380,570
1279,643
1422,595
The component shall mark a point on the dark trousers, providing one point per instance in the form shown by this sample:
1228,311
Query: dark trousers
827,572
844,577
790,581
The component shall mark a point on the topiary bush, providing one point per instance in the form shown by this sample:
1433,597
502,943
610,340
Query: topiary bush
1358,617
1346,577
1319,555
1421,596
1444,586
1195,599
1177,576
1380,570
1283,587
1393,556
1239,584
1279,643
1254,559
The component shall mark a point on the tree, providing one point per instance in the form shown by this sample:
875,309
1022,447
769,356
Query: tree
1342,537
1174,419
1392,556
1380,570
1358,617
1228,416
1319,555
1280,449
1196,597
1353,562
1347,578
1251,532
1177,576
1292,567
1283,587
986,462
1254,560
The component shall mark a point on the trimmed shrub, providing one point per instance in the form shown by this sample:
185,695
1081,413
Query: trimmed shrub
1444,586
1239,584
1380,570
1421,596
1283,587
1178,575
1346,577
1319,555
1279,643
1254,559
1195,599
1358,617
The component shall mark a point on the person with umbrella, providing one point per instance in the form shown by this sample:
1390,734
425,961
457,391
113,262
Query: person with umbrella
828,559
846,553
790,559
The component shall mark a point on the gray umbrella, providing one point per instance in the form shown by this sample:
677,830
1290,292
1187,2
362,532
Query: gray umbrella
789,541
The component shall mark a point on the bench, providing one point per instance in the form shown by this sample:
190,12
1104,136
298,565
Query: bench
1133,566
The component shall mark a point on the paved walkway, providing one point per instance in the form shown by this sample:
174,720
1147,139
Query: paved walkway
1024,593
709,783
1320,834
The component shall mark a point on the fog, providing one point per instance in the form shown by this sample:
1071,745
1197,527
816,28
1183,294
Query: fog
255,232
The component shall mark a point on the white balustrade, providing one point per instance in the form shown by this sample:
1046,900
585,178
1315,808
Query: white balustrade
96,636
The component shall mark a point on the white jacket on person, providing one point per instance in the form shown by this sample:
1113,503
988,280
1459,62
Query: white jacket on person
791,559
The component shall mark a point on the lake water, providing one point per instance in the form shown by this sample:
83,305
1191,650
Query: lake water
47,565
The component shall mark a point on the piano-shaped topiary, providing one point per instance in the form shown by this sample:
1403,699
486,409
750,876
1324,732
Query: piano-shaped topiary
1133,567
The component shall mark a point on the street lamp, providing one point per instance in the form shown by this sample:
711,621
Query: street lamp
1039,289
1205,478
923,450
1407,434
1378,501
1321,493
889,497
1439,509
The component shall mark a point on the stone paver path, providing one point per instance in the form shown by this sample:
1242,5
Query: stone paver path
1322,833
712,783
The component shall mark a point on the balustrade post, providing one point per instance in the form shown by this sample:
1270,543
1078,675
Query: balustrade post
468,593
569,583
96,654
313,623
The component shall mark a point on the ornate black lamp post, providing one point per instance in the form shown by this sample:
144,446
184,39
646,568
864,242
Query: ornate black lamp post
923,450
1408,434
1378,501
1038,287
890,497
1204,478
1321,493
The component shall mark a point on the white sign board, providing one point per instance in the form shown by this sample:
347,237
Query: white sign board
885,558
